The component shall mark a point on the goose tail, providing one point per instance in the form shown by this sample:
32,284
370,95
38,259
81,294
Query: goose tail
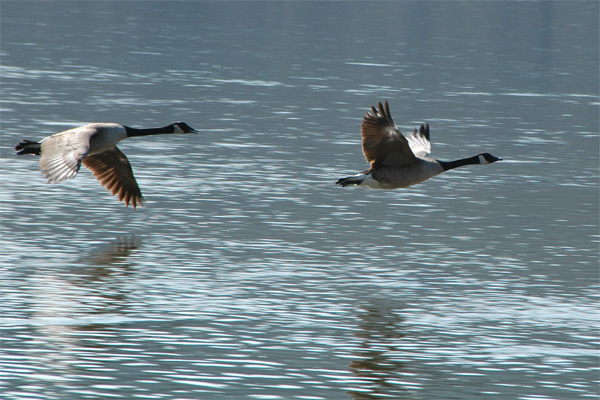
351,180
28,147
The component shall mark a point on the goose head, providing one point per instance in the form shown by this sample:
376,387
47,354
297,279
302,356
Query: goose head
182,127
487,158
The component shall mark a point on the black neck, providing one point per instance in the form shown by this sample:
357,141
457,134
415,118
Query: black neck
459,163
149,131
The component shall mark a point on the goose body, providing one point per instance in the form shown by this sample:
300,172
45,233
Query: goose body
399,161
95,146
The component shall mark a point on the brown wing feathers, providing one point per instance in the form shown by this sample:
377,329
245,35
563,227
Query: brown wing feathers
382,142
114,172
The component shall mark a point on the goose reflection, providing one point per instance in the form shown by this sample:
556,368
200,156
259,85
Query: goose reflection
73,306
380,330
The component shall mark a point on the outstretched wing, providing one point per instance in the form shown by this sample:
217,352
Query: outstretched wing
61,153
382,142
114,172
419,141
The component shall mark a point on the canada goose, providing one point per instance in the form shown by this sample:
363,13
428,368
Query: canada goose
95,145
398,161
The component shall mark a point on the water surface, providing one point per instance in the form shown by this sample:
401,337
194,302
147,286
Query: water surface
249,274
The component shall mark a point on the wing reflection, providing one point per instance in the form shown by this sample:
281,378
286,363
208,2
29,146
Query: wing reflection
115,252
380,331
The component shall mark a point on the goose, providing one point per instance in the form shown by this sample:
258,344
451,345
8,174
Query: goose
398,161
95,145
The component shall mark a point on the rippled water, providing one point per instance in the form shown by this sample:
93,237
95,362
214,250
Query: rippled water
249,274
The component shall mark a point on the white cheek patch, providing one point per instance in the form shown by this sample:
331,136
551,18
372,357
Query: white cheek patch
482,160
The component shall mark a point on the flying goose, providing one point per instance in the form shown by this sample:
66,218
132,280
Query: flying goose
95,145
398,161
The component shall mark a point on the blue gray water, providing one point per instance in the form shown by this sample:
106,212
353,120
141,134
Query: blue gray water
249,274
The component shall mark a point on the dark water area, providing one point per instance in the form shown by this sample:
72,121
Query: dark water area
249,274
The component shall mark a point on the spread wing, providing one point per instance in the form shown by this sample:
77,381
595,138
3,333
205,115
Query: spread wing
114,172
419,141
382,142
61,154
